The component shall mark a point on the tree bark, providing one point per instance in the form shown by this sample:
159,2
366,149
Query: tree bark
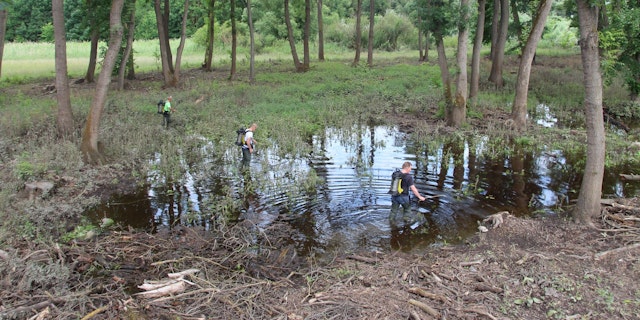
320,32
370,42
93,55
252,47
234,41
459,107
3,32
495,25
183,38
307,34
588,205
208,55
292,44
127,50
475,57
519,109
65,115
89,145
444,72
358,35
498,53
162,20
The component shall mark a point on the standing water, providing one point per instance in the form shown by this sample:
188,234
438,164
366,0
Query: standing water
336,197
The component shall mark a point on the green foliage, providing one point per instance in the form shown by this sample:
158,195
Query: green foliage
47,33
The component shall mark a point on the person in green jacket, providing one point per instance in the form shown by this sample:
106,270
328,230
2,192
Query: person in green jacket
166,112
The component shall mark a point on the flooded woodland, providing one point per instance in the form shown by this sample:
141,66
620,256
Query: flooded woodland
304,232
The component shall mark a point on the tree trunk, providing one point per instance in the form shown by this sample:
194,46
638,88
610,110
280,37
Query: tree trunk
517,25
370,42
208,55
3,31
420,52
519,110
495,25
93,53
89,145
183,38
234,41
292,44
127,50
320,32
307,34
459,106
427,35
498,53
475,57
162,20
65,115
252,47
588,205
358,36
444,72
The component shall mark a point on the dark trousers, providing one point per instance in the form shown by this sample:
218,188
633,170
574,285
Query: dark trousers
166,119
246,157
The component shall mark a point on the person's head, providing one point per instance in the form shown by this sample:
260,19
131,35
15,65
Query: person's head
169,98
406,167
253,127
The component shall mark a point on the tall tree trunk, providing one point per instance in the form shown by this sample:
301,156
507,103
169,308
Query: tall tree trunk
475,57
208,55
93,54
420,49
162,20
588,205
89,145
183,39
517,25
519,110
292,43
252,47
127,50
234,41
427,36
320,32
65,115
444,72
498,54
495,27
307,35
459,107
3,31
370,42
358,35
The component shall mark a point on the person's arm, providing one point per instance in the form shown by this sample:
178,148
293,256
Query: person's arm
249,142
416,193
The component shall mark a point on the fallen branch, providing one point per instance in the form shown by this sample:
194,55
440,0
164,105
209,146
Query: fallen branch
94,313
480,312
471,263
163,291
630,177
433,312
364,259
601,255
429,295
484,287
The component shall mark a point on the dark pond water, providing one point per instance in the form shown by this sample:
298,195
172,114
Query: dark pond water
336,197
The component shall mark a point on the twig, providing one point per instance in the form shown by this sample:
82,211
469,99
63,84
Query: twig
481,312
364,259
433,312
471,263
601,255
94,313
429,295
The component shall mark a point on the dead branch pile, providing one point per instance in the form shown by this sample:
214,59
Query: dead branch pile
226,273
